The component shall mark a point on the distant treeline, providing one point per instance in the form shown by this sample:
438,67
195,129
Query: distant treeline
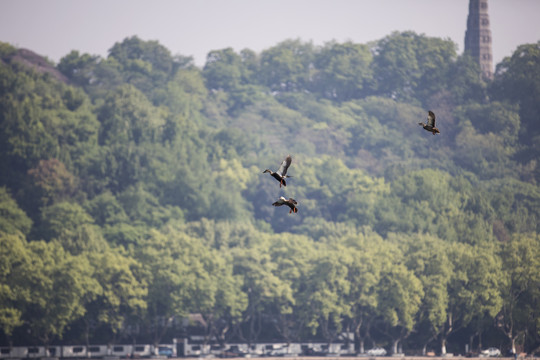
132,195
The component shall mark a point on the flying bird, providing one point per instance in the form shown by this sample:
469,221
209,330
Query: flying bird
289,202
430,124
281,174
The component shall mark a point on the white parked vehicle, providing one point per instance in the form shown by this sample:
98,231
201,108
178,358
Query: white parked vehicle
491,352
376,351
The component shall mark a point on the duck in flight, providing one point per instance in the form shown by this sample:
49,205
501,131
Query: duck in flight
281,174
430,124
291,203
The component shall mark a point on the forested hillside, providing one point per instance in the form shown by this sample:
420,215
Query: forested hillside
132,195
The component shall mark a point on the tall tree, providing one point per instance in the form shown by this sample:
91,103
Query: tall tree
519,287
517,79
56,286
364,275
71,226
342,70
473,289
12,219
286,66
408,66
121,299
428,258
223,70
263,289
324,299
399,296
14,258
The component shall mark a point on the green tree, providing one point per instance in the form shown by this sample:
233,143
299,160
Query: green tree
127,116
428,258
517,79
399,297
147,65
519,287
408,66
12,218
464,82
41,119
223,70
70,225
342,70
173,264
121,298
186,95
223,300
516,206
324,297
79,68
13,260
364,275
487,138
286,66
473,290
6,49
56,286
142,206
233,76
264,289
130,126
292,255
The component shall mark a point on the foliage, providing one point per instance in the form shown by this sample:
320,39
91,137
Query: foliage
12,218
132,196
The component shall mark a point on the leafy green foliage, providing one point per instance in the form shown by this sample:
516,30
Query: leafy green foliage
57,283
132,195
343,70
13,259
12,218
408,66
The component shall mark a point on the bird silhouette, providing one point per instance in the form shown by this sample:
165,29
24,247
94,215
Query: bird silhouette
430,123
290,202
281,174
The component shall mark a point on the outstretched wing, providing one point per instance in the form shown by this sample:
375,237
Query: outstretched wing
431,118
285,166
279,201
292,201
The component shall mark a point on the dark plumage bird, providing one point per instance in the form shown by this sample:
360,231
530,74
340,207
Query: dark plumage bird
289,202
281,174
430,124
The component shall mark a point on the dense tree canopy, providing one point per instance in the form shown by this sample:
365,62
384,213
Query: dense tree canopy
132,195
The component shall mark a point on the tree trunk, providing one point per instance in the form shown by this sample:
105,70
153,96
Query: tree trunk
443,346
359,337
395,344
433,337
479,342
446,333
361,346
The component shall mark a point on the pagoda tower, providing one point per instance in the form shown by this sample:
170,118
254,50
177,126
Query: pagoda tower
478,36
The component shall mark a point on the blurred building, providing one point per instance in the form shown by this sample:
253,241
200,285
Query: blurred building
478,36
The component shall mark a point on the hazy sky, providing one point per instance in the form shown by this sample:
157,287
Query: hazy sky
194,27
